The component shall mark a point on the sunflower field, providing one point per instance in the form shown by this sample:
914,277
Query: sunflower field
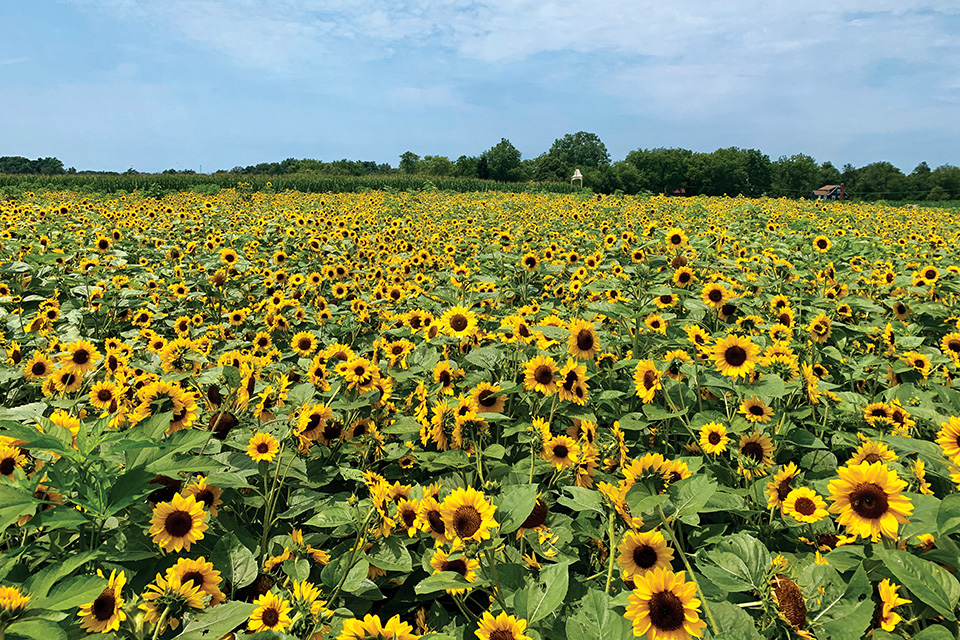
490,415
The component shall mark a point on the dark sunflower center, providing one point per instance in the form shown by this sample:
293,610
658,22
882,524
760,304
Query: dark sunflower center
502,634
69,379
756,410
714,438
872,457
313,422
585,340
645,556
536,517
444,378
684,277
523,331
560,451
869,500
543,374
459,322
409,517
649,380
104,606
954,345
206,497
178,524
38,368
104,395
878,413
271,617
735,355
459,566
7,465
570,380
666,611
81,356
715,295
359,372
676,239
263,447
805,506
436,522
753,450
484,398
929,274
822,243
195,576
466,521
305,344
783,489
332,431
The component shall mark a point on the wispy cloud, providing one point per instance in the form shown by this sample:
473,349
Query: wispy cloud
10,61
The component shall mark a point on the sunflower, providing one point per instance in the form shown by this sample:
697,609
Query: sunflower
202,574
757,453
541,374
675,238
713,438
303,343
950,345
646,380
486,400
715,295
735,356
169,595
105,395
458,322
371,628
79,357
105,613
503,627
12,603
207,494
804,505
467,514
574,382
683,276
583,342
755,410
888,600
643,552
263,446
779,486
64,380
820,328
821,244
949,437
39,366
272,614
868,498
11,459
313,419
663,607
466,567
178,524
791,606
530,262
561,452
431,520
445,376
872,451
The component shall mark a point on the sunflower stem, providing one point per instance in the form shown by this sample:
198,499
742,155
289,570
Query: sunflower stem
161,622
498,591
686,563
612,533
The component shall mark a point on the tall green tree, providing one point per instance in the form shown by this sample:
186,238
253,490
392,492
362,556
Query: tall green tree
795,177
408,162
503,161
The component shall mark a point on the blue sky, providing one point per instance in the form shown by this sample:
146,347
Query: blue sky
185,84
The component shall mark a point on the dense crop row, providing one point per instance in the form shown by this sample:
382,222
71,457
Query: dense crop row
491,415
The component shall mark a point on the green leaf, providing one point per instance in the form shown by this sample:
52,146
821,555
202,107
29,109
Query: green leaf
331,517
71,593
235,561
770,386
390,554
738,563
37,630
930,583
217,621
539,601
948,516
935,632
356,576
15,501
734,622
441,582
595,619
690,495
653,412
847,615
581,499
515,506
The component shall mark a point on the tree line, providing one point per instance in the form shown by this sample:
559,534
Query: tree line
730,171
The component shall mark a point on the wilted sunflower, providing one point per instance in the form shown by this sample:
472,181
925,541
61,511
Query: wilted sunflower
105,613
643,552
467,514
790,603
713,438
541,375
178,524
804,505
735,356
869,500
272,614
562,452
646,380
262,446
755,410
502,627
458,322
663,607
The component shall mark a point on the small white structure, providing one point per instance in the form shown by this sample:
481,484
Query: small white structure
577,176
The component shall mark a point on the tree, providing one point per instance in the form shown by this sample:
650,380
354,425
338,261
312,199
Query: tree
580,150
661,170
829,174
408,162
466,166
795,177
503,161
436,166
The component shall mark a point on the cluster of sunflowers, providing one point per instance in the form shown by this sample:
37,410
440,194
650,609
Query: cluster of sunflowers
503,416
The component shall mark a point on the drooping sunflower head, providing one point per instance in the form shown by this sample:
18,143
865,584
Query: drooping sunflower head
788,597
